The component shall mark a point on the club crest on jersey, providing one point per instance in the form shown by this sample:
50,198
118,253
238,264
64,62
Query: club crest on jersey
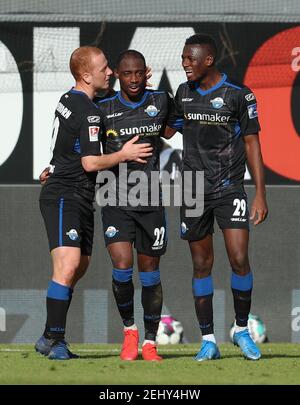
111,231
217,102
73,235
183,228
93,133
152,111
252,111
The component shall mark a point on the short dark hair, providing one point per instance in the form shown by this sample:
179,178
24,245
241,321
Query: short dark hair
203,39
130,53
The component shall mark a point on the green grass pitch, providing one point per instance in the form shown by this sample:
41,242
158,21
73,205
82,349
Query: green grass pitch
100,364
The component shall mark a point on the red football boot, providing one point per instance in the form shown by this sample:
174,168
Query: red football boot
149,352
130,345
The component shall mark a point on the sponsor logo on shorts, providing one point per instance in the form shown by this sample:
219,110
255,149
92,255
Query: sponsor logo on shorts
183,228
93,133
73,234
51,168
217,102
238,219
156,247
93,119
250,97
111,231
152,111
252,111
187,99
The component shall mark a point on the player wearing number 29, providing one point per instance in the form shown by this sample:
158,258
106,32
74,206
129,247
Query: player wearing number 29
219,122
66,199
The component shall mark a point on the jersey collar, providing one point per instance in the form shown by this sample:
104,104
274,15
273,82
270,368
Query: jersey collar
130,103
73,91
77,92
215,87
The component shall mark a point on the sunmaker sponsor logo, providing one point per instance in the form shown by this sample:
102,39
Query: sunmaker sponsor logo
145,129
217,118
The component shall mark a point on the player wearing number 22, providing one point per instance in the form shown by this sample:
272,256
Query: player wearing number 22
219,122
136,110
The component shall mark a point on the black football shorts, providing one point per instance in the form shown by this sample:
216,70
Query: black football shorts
230,211
147,229
69,223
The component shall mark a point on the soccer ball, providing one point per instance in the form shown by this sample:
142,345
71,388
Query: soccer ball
257,329
170,331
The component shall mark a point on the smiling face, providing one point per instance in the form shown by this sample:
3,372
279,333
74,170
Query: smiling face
196,61
131,73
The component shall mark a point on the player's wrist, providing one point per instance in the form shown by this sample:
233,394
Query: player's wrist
261,192
122,156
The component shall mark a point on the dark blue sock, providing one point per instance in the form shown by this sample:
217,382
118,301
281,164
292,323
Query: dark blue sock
241,287
203,291
152,298
123,290
58,302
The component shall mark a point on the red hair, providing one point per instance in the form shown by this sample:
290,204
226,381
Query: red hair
80,60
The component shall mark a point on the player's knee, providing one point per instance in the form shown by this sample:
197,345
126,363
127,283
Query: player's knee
240,264
66,271
202,266
149,264
121,261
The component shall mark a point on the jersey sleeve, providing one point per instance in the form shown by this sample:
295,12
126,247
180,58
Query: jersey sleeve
175,119
247,113
90,133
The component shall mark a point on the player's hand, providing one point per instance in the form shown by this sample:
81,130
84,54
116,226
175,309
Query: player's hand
136,151
44,175
148,76
259,209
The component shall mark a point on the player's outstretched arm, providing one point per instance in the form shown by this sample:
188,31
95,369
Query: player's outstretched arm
259,208
130,151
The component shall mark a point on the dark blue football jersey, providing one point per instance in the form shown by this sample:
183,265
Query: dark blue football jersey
122,120
213,123
76,133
